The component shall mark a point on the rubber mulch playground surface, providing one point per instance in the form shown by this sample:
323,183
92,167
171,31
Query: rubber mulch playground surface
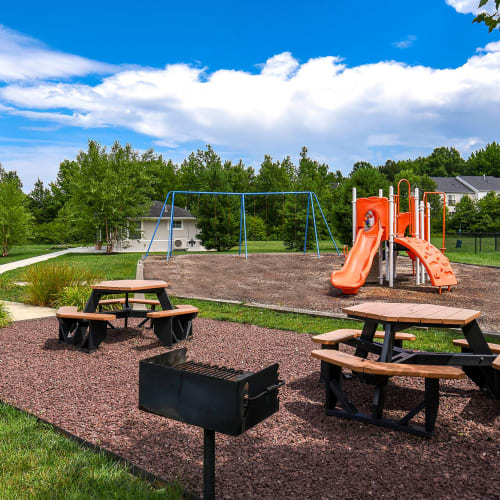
297,453
303,282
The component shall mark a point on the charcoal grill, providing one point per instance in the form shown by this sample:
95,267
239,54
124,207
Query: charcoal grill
216,398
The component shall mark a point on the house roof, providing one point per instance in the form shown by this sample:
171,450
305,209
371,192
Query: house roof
483,183
451,185
179,212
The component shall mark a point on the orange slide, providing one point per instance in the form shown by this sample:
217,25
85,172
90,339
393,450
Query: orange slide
436,264
359,261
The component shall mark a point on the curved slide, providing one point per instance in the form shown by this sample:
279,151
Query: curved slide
436,264
359,261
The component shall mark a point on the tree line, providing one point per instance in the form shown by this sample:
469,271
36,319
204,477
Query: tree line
95,196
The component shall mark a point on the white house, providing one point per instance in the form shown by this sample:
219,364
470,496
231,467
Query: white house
185,232
473,186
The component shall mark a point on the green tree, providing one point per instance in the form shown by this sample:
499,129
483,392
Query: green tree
491,20
273,176
465,216
162,174
106,190
488,219
38,202
485,161
15,218
256,229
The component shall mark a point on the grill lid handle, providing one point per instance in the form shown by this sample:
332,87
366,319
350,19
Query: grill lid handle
266,391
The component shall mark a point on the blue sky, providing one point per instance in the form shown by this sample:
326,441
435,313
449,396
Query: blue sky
391,80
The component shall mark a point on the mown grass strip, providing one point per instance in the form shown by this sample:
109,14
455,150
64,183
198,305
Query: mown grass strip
37,462
427,340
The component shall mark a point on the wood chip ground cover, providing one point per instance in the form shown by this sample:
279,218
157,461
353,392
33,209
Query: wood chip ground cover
303,281
297,453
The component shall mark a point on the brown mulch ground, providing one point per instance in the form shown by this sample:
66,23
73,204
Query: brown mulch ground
303,281
297,453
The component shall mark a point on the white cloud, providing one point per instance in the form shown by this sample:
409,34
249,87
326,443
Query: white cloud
341,113
24,58
406,43
471,6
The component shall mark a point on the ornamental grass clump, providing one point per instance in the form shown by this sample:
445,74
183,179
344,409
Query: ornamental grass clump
5,318
46,281
74,295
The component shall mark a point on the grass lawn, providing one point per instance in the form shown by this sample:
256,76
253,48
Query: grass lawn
27,251
112,267
37,462
480,259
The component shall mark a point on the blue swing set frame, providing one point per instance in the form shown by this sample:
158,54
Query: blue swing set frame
311,199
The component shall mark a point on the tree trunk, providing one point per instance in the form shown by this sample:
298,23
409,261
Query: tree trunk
109,241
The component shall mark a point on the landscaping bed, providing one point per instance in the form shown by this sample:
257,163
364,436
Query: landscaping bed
298,452
303,282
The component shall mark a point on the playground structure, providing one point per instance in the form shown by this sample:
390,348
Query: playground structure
379,227
311,200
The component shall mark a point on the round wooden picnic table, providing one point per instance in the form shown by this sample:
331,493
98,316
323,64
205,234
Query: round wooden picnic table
395,317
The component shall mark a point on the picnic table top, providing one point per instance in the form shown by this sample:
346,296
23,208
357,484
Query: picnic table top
412,313
130,285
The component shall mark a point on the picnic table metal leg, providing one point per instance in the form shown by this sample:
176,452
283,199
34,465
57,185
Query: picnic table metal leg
164,300
431,402
388,344
369,329
379,400
485,377
93,302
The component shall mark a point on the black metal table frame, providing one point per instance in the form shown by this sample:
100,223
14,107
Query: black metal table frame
476,364
126,311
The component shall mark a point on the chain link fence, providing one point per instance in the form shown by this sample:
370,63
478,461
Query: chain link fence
469,242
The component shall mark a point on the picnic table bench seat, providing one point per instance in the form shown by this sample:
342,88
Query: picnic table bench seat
148,302
377,373
179,310
496,363
363,365
494,348
345,334
173,325
86,330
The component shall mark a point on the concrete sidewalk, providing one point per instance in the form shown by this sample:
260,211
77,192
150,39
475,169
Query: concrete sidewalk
20,311
47,256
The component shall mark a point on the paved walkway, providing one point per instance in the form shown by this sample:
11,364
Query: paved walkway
19,311
40,258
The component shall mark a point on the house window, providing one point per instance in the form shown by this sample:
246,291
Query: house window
134,230
177,224
452,200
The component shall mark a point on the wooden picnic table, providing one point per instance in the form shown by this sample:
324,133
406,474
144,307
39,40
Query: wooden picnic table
394,317
88,329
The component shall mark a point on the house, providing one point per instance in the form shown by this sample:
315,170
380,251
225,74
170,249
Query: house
185,232
473,186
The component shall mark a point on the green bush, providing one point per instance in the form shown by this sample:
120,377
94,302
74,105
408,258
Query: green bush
5,318
74,295
46,281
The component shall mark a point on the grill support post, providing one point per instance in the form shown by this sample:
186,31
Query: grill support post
208,464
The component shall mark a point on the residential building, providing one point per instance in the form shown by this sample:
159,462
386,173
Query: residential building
185,232
473,186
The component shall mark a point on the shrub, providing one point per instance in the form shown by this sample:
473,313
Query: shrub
5,318
46,281
74,295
